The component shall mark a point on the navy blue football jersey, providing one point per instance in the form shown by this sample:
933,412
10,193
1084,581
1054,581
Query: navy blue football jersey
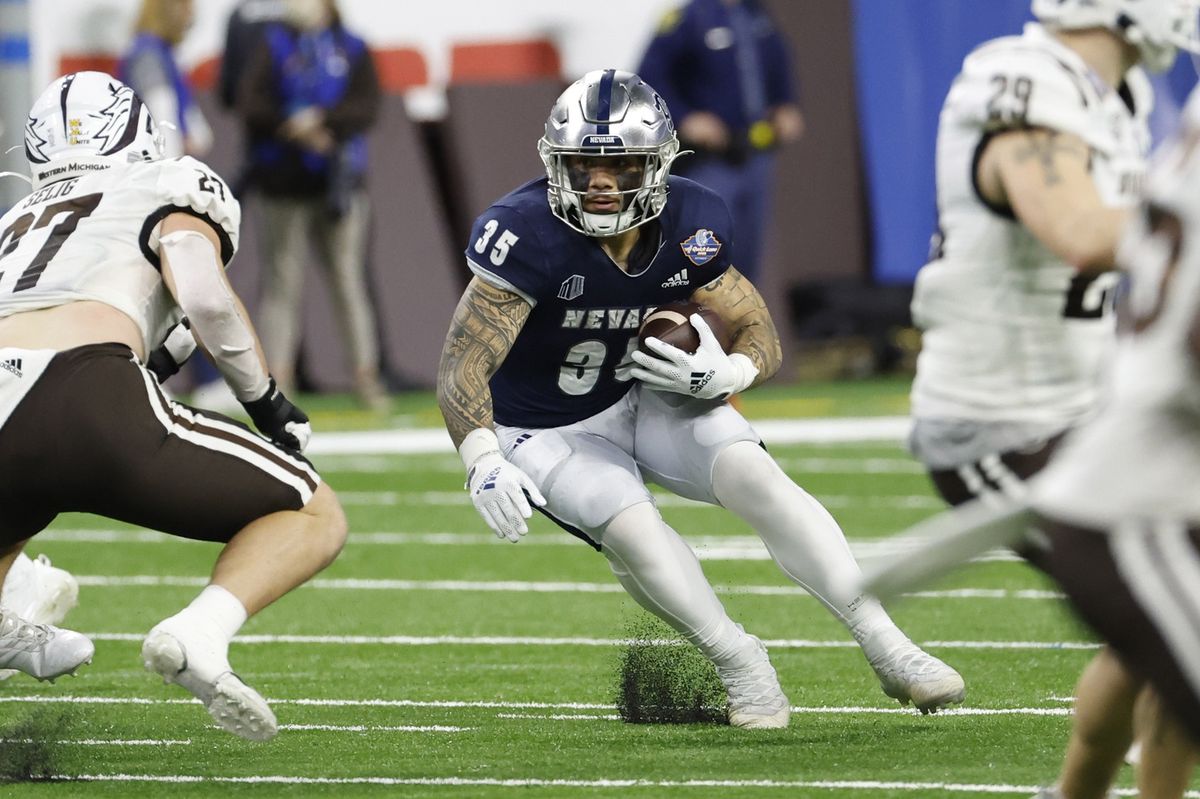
586,309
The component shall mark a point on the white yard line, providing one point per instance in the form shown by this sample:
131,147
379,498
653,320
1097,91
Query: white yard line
538,587
885,429
827,711
593,710
372,728
462,499
536,782
101,742
383,464
707,547
517,640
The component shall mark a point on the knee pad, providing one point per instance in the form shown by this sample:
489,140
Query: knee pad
745,469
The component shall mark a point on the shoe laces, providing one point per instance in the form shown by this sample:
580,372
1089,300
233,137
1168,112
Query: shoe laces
16,633
755,685
913,662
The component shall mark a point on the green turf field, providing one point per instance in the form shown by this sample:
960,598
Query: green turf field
434,661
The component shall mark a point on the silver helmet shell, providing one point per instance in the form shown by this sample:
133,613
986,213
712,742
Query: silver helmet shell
1157,28
609,113
88,117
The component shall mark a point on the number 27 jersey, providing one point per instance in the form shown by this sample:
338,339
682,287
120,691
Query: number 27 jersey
94,236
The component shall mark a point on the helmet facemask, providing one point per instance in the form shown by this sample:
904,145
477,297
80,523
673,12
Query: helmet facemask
613,119
1157,28
640,189
1161,30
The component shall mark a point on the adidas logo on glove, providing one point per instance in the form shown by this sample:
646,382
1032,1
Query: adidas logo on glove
700,379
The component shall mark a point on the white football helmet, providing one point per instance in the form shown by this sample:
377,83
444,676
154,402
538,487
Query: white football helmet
87,116
609,114
1158,28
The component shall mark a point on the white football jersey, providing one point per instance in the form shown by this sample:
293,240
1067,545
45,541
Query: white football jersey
1011,332
95,237
1140,458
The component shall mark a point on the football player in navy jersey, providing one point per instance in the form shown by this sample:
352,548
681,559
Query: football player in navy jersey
550,404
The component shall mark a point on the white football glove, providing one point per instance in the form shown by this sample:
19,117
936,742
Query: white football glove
707,374
500,491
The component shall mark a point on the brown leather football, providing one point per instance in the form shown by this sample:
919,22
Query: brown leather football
670,323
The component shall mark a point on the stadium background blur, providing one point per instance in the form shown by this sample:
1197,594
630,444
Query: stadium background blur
468,83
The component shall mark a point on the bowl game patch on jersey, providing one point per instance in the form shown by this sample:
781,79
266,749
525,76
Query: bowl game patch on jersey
701,247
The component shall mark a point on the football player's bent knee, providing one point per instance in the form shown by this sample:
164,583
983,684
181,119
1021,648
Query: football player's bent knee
630,525
329,521
745,473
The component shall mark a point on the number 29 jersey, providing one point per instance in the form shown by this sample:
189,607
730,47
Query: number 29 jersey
564,364
1011,332
94,236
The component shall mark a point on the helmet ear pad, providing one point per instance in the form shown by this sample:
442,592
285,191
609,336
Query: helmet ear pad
608,113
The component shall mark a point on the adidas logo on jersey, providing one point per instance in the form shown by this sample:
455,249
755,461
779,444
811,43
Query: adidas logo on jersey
680,278
12,365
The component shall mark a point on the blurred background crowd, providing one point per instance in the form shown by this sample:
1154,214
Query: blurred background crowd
364,136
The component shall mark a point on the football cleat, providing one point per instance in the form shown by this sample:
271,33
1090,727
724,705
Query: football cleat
38,592
41,650
909,674
184,655
756,702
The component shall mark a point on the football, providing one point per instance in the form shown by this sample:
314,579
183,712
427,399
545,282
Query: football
670,323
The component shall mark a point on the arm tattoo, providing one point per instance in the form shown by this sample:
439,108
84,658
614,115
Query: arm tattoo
1045,146
485,325
736,300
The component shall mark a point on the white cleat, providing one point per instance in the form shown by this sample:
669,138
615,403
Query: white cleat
756,702
909,674
185,657
41,650
38,592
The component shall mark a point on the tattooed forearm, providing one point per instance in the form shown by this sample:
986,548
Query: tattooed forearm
736,300
485,325
1045,146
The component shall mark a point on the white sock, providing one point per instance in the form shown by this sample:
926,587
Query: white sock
805,541
220,609
659,570
12,593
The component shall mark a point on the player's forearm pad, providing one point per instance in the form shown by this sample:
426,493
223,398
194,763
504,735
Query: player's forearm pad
205,297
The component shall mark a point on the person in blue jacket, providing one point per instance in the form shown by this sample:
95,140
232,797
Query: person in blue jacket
725,71
150,69
308,97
